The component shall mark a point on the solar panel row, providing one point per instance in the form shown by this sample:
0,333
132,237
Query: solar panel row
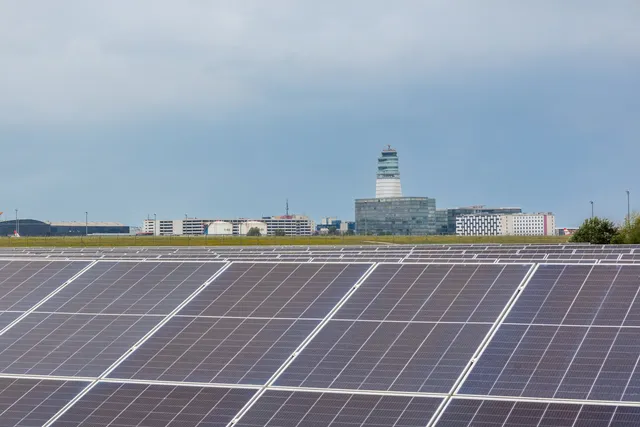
266,340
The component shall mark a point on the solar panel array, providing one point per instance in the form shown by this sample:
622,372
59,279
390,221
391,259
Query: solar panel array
458,335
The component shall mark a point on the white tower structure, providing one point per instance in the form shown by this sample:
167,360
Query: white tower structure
388,180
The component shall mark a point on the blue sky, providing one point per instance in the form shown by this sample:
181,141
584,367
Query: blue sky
224,109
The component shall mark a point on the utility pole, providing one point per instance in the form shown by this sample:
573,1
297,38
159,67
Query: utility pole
17,223
628,208
591,208
86,223
287,208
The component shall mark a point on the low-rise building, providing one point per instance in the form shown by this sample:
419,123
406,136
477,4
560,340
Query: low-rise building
290,225
341,227
516,224
454,213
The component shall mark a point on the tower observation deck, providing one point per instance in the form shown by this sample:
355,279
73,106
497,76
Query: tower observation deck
388,178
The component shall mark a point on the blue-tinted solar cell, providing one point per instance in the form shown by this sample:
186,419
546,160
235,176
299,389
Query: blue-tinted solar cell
285,290
132,288
435,292
31,403
396,356
559,362
580,295
278,408
225,350
7,318
69,345
488,413
141,405
25,283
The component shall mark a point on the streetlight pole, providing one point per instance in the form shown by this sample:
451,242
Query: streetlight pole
155,226
17,223
591,208
628,208
86,223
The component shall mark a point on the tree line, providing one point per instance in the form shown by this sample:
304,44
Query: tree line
602,231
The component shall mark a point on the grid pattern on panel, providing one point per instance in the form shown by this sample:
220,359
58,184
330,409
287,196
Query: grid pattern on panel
208,350
461,413
571,335
286,290
31,403
25,283
69,345
131,288
387,356
303,409
435,292
603,295
137,405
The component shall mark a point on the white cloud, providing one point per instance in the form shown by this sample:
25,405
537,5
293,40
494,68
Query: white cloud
74,60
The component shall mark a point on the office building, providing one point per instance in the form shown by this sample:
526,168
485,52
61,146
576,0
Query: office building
341,227
396,216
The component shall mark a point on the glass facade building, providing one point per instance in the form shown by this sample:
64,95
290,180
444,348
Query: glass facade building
412,216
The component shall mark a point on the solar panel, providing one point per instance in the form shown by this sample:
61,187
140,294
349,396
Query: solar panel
387,356
285,290
131,405
435,292
31,403
572,334
7,318
25,283
407,328
225,350
69,345
461,413
278,408
131,288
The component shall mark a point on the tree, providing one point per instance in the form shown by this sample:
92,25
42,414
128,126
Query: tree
333,231
280,233
597,231
629,233
254,232
349,233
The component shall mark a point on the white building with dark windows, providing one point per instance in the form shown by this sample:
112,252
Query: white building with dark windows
480,225
291,225
517,224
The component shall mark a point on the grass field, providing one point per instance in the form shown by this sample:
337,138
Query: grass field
114,241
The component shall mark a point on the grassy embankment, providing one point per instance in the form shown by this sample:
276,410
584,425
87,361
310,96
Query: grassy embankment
113,241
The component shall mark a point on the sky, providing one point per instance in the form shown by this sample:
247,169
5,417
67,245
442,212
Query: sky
217,109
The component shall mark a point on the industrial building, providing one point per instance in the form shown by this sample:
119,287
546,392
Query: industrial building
290,225
33,227
519,224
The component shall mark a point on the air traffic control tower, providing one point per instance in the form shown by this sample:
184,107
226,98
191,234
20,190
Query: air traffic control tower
388,180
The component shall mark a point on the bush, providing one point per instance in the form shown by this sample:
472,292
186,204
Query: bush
254,232
597,231
629,233
280,233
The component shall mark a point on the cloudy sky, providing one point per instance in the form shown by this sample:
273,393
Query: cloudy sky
226,108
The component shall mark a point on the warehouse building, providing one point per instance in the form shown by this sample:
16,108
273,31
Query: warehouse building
33,227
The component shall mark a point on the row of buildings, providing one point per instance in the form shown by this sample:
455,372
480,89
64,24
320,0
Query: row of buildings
389,213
